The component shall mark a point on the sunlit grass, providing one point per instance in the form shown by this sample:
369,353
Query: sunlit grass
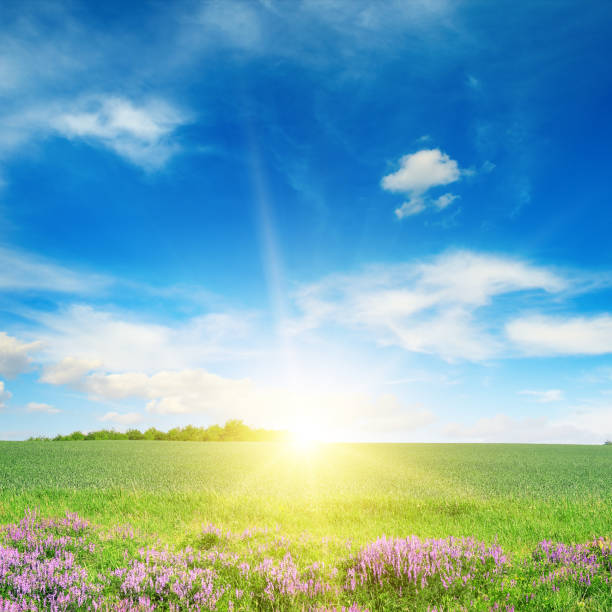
327,499
519,493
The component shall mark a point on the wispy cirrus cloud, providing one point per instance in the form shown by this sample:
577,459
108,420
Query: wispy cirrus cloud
305,31
26,272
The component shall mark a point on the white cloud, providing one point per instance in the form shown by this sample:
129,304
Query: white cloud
451,333
141,133
429,307
544,397
68,371
122,418
24,272
541,335
475,278
14,355
123,342
5,395
444,200
592,425
38,407
411,207
418,173
422,170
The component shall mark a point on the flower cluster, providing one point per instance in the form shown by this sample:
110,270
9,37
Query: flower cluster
412,563
576,563
38,567
67,564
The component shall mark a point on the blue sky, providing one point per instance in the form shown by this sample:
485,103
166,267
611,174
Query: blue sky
370,221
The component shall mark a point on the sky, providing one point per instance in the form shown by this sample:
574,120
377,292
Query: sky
363,221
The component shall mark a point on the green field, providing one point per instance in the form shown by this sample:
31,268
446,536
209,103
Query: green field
517,494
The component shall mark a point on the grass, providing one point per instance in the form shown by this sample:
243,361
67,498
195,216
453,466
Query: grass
350,494
519,493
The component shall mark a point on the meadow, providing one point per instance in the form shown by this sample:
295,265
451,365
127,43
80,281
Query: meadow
530,524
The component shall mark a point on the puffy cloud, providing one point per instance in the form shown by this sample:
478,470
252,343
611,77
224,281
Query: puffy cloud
427,307
122,418
544,397
5,395
38,407
14,355
542,335
141,133
68,371
422,170
418,173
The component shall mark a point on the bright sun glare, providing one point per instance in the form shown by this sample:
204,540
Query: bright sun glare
305,439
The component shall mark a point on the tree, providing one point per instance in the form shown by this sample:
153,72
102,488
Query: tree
134,434
154,434
235,430
213,433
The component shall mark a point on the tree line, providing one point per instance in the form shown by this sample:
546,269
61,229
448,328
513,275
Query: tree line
234,430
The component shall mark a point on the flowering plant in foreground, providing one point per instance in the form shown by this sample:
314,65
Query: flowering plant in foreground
67,564
412,564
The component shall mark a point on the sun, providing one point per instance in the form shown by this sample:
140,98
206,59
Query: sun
305,439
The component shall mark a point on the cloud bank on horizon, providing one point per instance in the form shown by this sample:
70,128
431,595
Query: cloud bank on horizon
214,210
